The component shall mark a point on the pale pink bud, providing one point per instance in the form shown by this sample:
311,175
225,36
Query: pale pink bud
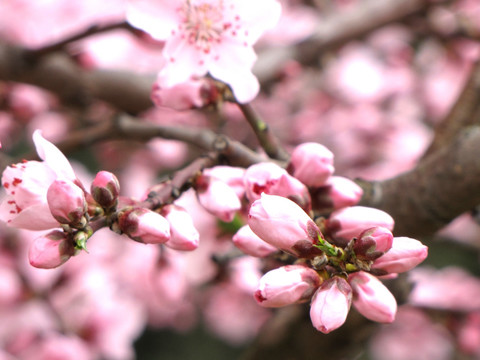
371,298
287,285
373,243
404,255
217,198
269,178
331,304
183,234
50,250
312,164
66,202
105,189
232,176
283,224
144,226
347,223
247,241
343,192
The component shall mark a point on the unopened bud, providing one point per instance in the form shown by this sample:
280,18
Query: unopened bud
67,202
404,255
144,226
183,234
373,243
283,224
350,222
312,164
105,189
217,198
247,241
331,304
287,285
371,298
50,250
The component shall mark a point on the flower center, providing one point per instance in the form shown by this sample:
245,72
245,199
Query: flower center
202,24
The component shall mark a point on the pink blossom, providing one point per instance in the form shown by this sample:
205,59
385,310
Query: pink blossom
207,36
287,285
347,223
26,184
269,178
371,298
66,202
283,224
247,241
404,255
50,250
331,304
217,198
183,234
311,163
145,226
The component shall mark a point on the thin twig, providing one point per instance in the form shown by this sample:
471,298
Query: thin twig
265,137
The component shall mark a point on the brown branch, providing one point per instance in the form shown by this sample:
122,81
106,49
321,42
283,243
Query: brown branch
337,29
264,134
439,189
75,86
92,30
465,112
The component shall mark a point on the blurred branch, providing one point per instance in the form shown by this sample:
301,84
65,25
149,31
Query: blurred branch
92,30
465,112
126,127
338,28
443,186
75,86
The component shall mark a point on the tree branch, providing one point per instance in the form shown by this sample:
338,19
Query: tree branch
75,86
337,29
438,190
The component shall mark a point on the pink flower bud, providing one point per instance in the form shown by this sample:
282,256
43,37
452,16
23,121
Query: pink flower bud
50,250
144,226
183,234
232,176
66,202
186,95
247,241
105,189
283,224
217,198
373,243
331,304
405,254
271,179
312,164
343,192
347,223
287,285
371,298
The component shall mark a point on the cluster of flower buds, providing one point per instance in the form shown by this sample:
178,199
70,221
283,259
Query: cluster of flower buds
47,195
334,266
336,259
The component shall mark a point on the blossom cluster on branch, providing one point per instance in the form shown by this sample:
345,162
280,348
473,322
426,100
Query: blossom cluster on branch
181,184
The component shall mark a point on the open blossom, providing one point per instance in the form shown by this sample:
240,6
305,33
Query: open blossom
26,184
207,36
